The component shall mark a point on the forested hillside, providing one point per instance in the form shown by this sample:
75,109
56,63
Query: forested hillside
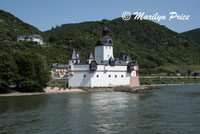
193,34
153,45
11,27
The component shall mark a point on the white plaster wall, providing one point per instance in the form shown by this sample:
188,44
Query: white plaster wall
81,67
103,52
108,67
71,64
78,79
98,52
103,79
108,52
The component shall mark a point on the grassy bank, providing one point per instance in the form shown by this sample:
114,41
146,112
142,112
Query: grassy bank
149,81
58,83
170,70
185,68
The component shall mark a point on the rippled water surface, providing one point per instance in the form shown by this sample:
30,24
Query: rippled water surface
169,110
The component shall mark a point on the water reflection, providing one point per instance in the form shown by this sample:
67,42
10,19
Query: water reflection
18,112
111,109
168,110
21,103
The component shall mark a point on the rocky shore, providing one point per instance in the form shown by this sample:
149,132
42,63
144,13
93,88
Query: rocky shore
138,89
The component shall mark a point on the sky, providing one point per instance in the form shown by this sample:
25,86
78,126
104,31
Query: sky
45,14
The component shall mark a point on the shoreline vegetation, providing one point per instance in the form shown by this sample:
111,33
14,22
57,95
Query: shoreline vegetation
128,89
147,83
169,80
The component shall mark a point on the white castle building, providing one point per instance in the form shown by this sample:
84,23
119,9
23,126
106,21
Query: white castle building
103,70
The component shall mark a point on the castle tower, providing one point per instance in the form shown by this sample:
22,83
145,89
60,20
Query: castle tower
73,58
104,46
90,58
133,67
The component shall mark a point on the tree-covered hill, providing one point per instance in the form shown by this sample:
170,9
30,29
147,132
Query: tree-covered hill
193,34
11,27
152,44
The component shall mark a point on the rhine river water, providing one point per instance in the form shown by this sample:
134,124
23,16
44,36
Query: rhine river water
169,110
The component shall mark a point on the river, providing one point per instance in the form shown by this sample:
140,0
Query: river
169,110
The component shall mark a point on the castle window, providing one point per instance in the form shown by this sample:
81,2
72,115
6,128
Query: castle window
101,61
122,76
110,42
108,56
115,76
97,76
84,75
109,75
106,47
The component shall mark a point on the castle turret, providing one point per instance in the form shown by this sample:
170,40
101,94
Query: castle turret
73,58
133,69
78,58
104,46
90,58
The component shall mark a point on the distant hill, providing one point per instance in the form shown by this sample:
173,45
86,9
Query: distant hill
193,34
152,44
11,27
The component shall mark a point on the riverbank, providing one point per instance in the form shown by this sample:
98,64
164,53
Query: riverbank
51,90
62,90
138,89
47,90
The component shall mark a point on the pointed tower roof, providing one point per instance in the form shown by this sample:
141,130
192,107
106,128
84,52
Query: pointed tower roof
128,58
105,40
73,55
123,56
105,31
78,55
90,56
111,59
105,28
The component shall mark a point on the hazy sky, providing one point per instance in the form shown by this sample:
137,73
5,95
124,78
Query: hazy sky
45,14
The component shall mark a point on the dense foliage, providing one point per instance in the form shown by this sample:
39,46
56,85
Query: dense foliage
193,34
152,44
23,71
8,70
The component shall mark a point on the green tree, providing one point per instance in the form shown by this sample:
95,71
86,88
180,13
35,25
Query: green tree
32,75
7,71
42,72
